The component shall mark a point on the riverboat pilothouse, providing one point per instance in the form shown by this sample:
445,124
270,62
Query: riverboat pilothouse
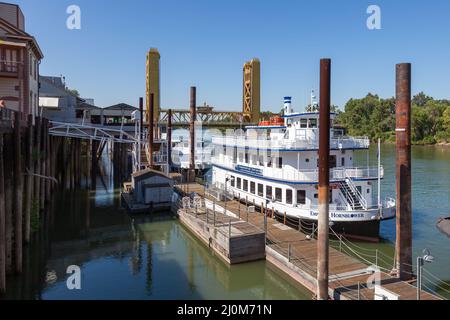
275,165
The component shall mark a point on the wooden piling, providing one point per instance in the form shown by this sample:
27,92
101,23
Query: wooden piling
42,164
403,172
29,179
324,181
2,223
8,150
192,141
18,193
37,163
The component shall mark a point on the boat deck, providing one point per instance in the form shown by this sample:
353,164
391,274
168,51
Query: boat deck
295,253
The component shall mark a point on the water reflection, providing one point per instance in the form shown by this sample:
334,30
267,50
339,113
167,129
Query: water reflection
140,257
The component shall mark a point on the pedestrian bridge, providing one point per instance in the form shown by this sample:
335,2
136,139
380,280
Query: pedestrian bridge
93,132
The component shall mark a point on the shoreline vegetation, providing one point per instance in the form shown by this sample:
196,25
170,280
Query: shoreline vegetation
374,117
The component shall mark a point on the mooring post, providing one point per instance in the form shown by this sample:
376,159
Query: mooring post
29,179
403,241
18,193
265,228
193,118
8,168
169,138
48,158
37,165
239,206
289,252
151,129
359,290
2,221
324,181
214,211
42,164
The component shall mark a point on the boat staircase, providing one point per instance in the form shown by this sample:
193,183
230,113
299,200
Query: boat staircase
351,195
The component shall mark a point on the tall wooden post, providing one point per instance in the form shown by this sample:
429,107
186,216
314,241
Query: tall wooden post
8,150
324,181
2,222
193,116
403,241
151,130
18,193
169,138
42,164
29,179
37,163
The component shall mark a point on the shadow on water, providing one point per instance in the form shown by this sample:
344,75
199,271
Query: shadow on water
131,257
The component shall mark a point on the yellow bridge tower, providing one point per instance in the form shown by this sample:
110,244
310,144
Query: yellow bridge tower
152,86
251,91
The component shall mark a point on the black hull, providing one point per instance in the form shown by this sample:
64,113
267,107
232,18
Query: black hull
359,230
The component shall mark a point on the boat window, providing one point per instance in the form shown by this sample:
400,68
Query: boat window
316,195
288,196
238,183
280,162
368,190
269,161
260,190
301,196
278,194
269,192
343,162
232,181
303,123
246,157
245,185
307,159
312,123
330,199
252,187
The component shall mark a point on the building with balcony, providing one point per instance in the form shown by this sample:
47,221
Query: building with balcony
20,57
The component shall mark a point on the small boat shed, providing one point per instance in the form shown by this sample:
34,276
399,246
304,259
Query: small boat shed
149,189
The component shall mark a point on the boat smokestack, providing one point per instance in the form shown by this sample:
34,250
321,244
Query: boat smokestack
287,105
193,113
403,241
324,181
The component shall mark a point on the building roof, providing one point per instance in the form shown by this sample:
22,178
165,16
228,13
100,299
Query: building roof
146,173
121,106
86,106
14,33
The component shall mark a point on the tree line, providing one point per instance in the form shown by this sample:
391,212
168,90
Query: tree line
374,117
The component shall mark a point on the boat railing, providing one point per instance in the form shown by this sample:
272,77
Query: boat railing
355,190
277,144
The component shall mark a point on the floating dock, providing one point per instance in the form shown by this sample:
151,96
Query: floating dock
232,239
295,254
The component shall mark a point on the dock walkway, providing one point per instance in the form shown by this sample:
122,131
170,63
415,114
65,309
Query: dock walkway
295,253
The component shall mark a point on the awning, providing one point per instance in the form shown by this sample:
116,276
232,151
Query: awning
51,103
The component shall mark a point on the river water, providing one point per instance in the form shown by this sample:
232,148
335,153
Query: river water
142,257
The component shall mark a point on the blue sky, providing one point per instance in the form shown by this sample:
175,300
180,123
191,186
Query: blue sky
205,43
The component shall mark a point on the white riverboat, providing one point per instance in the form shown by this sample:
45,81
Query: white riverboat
275,165
181,152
